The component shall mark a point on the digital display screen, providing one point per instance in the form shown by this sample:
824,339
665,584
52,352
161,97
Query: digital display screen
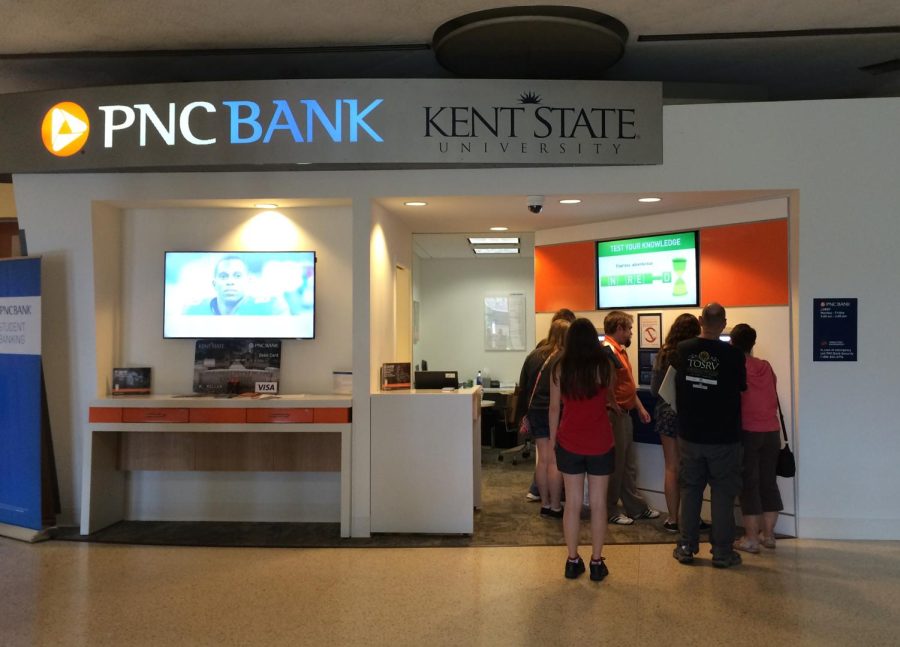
239,295
648,272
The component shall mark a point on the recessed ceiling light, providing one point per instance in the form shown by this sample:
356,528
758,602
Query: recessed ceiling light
266,205
570,201
494,241
649,199
496,250
499,228
415,204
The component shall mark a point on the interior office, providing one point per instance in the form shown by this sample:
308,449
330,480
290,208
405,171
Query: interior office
835,161
744,261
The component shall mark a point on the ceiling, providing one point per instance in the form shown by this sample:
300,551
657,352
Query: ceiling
442,226
468,214
702,51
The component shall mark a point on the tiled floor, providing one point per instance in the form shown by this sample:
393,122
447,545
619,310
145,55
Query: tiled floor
505,519
803,593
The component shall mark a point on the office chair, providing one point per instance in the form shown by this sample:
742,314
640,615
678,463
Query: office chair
519,452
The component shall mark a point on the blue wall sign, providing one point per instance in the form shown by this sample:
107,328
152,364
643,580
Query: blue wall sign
834,330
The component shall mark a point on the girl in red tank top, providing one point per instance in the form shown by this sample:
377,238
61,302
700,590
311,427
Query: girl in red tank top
585,427
581,390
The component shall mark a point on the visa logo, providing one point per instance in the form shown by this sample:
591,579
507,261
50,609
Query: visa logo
266,387
300,122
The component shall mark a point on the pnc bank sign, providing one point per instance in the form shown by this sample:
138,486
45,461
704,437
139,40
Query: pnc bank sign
66,126
362,123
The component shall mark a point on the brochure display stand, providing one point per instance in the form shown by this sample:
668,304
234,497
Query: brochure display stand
29,495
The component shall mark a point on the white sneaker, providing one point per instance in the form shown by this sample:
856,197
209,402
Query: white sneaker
621,519
532,497
649,513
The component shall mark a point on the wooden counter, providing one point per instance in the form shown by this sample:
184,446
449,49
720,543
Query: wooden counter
276,434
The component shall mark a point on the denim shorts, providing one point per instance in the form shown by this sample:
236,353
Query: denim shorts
539,419
594,464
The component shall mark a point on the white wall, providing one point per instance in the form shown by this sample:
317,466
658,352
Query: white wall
391,246
840,156
451,314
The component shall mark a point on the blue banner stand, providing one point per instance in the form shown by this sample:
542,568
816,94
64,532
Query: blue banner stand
28,491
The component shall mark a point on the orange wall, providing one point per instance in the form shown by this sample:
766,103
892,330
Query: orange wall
740,265
564,277
745,265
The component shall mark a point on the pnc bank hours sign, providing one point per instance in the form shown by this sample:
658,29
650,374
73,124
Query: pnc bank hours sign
361,123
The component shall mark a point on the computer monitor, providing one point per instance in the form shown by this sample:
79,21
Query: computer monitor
437,379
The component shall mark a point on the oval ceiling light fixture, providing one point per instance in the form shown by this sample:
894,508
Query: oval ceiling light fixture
499,228
265,205
540,42
649,199
570,201
415,203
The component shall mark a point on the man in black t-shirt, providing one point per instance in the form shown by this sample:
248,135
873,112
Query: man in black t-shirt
710,378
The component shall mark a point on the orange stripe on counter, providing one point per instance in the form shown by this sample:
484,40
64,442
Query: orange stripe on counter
332,415
279,415
226,416
210,415
105,414
148,414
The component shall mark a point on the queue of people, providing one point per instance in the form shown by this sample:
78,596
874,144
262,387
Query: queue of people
720,430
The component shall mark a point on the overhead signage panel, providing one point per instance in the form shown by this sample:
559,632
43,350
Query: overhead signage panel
361,122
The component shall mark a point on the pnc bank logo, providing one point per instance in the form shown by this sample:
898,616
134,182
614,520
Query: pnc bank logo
65,129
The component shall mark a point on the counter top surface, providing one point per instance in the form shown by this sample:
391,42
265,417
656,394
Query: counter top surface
464,391
312,400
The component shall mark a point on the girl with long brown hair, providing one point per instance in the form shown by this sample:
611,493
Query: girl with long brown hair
581,391
686,326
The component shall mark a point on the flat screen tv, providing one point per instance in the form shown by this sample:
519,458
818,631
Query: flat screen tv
239,295
648,272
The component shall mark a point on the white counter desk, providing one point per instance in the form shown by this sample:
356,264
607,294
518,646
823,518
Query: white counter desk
426,460
160,432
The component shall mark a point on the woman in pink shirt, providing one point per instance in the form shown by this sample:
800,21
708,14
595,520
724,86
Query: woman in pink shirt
760,498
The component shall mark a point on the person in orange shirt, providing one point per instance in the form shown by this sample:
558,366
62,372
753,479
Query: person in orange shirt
617,327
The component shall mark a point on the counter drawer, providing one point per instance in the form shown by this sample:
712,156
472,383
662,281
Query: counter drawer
221,416
279,415
105,414
146,414
332,415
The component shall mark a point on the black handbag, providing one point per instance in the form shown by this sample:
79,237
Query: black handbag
786,467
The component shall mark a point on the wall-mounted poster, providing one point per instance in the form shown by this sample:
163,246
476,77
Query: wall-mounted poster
650,329
649,342
504,322
834,330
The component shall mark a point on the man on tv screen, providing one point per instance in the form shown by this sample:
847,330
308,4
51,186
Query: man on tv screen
230,278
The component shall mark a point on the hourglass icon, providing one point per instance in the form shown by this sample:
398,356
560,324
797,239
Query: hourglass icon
679,265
